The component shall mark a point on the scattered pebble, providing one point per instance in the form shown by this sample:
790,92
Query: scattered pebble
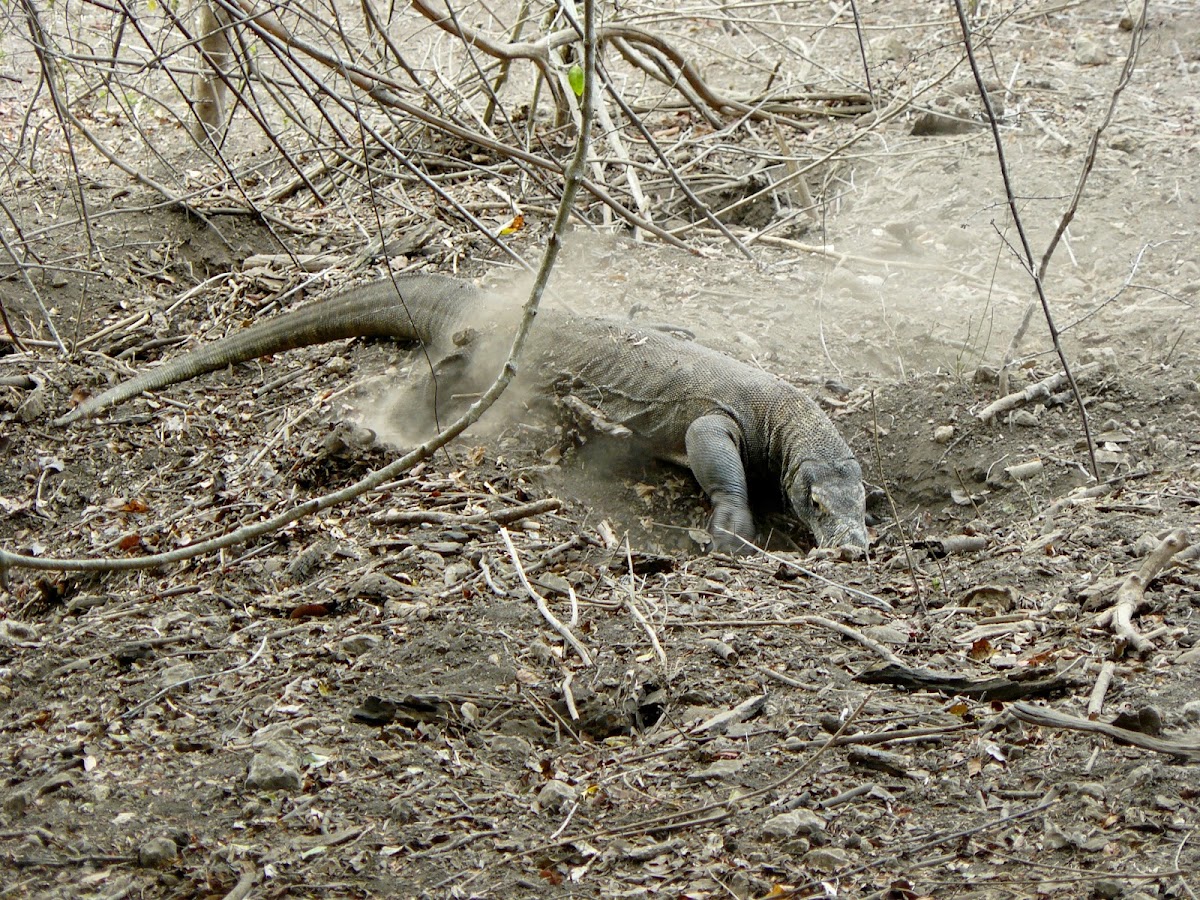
379,585
826,859
175,675
1089,53
790,824
511,747
943,434
555,795
157,853
1191,711
720,770
274,768
358,644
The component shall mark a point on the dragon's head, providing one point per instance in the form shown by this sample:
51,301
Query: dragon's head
830,499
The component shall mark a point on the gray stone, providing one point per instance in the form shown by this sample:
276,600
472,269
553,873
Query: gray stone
176,675
358,644
826,859
1089,53
555,795
1191,711
274,768
510,747
789,824
886,634
379,586
157,853
719,770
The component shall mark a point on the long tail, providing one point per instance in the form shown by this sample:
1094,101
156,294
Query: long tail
421,311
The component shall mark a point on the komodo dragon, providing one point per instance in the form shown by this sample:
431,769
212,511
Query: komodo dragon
684,403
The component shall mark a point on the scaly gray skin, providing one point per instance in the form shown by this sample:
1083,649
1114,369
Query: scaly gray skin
685,403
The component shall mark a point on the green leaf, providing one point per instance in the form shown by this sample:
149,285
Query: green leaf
575,78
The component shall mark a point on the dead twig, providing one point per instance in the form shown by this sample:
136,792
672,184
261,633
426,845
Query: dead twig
1037,391
631,603
245,884
1131,595
1049,718
542,607
489,519
1100,689
999,688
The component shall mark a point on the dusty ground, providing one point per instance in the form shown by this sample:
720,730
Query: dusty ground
182,733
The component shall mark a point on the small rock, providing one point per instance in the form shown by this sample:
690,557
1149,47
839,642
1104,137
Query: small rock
986,375
397,609
721,769
879,760
1124,143
176,675
555,795
274,768
826,859
1189,657
1144,544
1163,801
338,365
401,811
157,853
1107,889
18,801
1191,711
789,824
1089,53
1023,418
358,644
886,634
379,585
456,572
12,633
943,434
510,747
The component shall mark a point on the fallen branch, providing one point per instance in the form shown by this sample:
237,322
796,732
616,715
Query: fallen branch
631,602
490,519
1038,391
542,607
1048,718
1131,595
1100,689
387,92
986,689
